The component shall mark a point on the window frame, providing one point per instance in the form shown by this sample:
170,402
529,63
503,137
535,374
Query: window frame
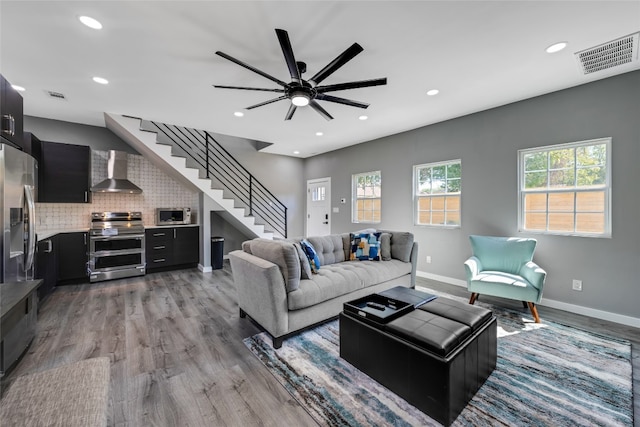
416,196
354,197
606,188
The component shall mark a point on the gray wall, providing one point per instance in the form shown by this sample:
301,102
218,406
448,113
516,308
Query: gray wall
233,238
487,142
98,138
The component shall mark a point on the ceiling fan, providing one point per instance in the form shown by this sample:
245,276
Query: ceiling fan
303,92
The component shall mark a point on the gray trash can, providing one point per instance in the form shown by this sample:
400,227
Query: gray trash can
217,249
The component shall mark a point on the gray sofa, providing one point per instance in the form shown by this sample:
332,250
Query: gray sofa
277,290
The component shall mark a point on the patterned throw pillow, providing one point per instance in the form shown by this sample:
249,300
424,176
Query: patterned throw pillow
365,247
314,261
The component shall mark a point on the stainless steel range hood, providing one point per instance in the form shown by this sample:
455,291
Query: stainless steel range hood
116,181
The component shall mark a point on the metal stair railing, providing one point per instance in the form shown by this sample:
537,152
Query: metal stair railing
219,164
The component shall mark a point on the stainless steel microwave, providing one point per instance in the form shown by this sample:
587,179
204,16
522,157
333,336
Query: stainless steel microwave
173,216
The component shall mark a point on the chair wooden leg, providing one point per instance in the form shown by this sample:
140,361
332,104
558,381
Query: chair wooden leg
474,297
534,311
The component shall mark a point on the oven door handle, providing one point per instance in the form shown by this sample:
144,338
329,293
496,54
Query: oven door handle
103,254
118,237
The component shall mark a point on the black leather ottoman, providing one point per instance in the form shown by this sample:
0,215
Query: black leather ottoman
435,357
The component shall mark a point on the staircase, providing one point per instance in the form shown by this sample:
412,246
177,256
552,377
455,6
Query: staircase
196,160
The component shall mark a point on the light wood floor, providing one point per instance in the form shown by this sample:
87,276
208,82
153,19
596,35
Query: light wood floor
177,357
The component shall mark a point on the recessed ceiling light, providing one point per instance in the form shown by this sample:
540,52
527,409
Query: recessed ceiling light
18,88
238,114
90,22
433,92
557,47
319,133
101,80
363,117
296,152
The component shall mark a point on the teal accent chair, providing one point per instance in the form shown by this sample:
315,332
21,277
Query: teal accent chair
503,267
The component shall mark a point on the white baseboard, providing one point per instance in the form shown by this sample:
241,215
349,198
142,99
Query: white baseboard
205,269
443,279
572,308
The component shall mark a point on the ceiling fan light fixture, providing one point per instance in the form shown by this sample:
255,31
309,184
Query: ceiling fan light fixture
300,99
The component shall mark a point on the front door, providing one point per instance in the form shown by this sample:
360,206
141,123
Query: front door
319,207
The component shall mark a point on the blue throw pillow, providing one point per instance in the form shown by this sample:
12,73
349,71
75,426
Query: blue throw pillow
309,250
365,247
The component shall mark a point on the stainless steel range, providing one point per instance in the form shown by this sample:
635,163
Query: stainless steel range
116,245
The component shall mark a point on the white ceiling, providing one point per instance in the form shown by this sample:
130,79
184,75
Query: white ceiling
160,62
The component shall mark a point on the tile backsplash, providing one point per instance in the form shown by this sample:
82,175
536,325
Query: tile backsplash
158,190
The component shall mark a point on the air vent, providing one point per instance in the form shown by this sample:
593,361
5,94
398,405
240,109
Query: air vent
56,95
608,55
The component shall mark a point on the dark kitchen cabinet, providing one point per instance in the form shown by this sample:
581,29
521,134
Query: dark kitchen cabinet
32,145
73,255
169,248
11,112
46,266
64,173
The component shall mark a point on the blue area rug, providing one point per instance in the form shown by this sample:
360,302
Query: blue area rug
547,374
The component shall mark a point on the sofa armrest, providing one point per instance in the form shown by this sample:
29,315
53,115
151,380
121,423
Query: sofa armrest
414,263
261,291
473,267
534,275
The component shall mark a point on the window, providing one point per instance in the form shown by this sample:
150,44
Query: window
366,196
565,189
437,193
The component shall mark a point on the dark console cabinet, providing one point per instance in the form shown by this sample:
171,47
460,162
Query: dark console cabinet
11,112
73,255
19,307
64,174
169,248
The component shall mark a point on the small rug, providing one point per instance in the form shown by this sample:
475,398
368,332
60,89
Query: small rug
547,374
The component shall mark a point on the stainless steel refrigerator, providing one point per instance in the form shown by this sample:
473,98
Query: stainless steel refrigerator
18,178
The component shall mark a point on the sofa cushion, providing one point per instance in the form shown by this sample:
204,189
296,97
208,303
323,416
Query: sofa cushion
328,248
385,246
401,244
305,268
284,255
338,279
365,247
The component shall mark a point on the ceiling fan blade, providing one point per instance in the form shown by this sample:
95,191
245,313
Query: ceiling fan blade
249,67
249,88
287,50
352,85
280,98
313,104
323,97
292,109
340,60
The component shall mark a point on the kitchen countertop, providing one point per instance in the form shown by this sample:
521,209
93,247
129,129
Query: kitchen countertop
43,234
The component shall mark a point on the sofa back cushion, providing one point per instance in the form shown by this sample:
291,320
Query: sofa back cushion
284,255
329,248
401,244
